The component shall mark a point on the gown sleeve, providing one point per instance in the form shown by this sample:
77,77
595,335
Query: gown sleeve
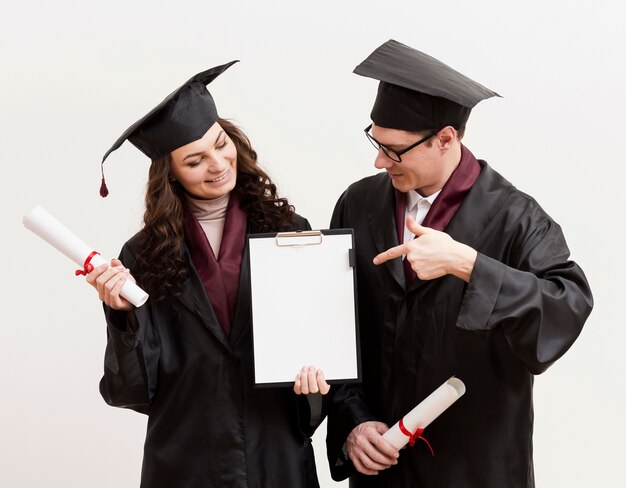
541,300
131,356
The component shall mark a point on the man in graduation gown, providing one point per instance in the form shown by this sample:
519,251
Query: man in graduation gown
458,273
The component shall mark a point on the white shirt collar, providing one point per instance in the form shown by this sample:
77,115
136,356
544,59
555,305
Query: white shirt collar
413,198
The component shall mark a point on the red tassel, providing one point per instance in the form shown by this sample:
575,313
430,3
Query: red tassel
104,191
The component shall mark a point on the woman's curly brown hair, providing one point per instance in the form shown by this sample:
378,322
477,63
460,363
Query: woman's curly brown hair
161,264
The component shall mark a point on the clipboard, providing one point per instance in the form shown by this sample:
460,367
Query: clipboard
304,309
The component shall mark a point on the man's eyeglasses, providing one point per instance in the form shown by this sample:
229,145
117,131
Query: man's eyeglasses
390,153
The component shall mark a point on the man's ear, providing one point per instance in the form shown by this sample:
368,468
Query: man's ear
446,137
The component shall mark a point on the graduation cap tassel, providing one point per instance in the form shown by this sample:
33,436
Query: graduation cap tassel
104,191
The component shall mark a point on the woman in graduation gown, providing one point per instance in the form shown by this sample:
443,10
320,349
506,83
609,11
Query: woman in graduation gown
185,357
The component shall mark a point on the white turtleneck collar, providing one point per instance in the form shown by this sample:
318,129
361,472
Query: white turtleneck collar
211,215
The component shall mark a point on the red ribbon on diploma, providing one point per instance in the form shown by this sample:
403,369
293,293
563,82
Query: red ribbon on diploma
415,435
87,267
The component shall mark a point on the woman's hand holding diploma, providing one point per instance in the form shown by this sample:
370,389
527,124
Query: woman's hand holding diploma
64,240
109,280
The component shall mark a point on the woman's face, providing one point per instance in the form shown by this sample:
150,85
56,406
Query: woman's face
206,168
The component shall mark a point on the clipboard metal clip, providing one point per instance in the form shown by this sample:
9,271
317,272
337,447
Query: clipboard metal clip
299,238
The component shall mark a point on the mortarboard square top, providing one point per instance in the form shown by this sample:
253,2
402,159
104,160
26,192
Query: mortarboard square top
418,92
182,117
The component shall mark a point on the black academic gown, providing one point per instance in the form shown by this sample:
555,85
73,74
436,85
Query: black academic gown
523,308
207,425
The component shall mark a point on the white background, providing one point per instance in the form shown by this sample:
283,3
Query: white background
75,74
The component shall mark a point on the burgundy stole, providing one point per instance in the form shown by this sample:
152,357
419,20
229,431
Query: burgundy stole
219,275
445,205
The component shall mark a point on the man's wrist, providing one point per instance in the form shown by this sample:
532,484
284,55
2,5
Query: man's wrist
464,259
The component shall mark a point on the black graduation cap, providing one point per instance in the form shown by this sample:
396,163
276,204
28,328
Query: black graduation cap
418,92
182,117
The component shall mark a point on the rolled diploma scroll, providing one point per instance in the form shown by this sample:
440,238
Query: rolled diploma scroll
428,410
56,234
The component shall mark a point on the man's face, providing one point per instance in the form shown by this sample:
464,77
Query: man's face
422,167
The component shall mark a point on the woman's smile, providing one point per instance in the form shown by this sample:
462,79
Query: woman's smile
224,176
